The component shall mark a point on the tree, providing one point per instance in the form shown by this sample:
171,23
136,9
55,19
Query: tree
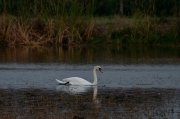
121,8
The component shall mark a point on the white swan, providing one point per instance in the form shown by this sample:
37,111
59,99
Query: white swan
80,81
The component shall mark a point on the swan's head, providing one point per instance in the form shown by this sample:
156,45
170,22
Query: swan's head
99,68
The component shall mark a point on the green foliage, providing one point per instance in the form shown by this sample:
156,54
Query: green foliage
68,21
140,7
147,31
50,7
53,8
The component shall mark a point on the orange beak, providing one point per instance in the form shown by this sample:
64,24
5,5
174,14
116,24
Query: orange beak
100,70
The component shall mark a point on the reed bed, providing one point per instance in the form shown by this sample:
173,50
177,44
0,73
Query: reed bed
116,30
37,31
147,30
76,22
45,22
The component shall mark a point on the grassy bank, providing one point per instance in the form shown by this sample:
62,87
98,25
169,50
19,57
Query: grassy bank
45,22
40,31
77,22
147,30
113,29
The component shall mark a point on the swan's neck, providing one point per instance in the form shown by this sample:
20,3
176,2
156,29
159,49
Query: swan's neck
95,77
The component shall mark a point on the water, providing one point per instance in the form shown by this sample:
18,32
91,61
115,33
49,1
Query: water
137,82
43,76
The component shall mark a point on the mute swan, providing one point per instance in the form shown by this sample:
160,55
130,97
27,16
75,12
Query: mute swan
80,81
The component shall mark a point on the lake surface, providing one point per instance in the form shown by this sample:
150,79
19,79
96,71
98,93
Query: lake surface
137,82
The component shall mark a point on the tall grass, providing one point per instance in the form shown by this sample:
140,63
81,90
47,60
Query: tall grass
74,22
148,30
147,23
146,27
55,21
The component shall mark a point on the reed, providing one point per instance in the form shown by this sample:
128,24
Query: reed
42,22
147,25
74,22
147,30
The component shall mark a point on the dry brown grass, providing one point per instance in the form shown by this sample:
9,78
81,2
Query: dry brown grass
37,31
61,31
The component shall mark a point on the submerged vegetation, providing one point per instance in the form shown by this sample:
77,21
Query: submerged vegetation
136,103
78,21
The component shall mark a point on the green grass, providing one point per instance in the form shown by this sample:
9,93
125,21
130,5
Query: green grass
148,30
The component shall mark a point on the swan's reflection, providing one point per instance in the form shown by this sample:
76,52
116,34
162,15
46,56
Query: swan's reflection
95,100
73,89
79,90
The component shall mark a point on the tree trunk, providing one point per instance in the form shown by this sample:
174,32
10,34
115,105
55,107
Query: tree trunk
121,8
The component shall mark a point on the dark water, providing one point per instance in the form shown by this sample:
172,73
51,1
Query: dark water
137,82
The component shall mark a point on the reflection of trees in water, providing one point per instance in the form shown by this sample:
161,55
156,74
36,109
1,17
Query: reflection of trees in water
90,54
116,103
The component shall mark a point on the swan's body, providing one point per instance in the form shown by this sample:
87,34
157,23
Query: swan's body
80,81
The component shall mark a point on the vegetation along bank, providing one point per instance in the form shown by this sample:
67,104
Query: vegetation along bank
90,21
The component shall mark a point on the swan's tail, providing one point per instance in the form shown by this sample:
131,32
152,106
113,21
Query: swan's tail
61,82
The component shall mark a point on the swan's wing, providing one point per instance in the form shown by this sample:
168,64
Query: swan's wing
76,81
61,82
